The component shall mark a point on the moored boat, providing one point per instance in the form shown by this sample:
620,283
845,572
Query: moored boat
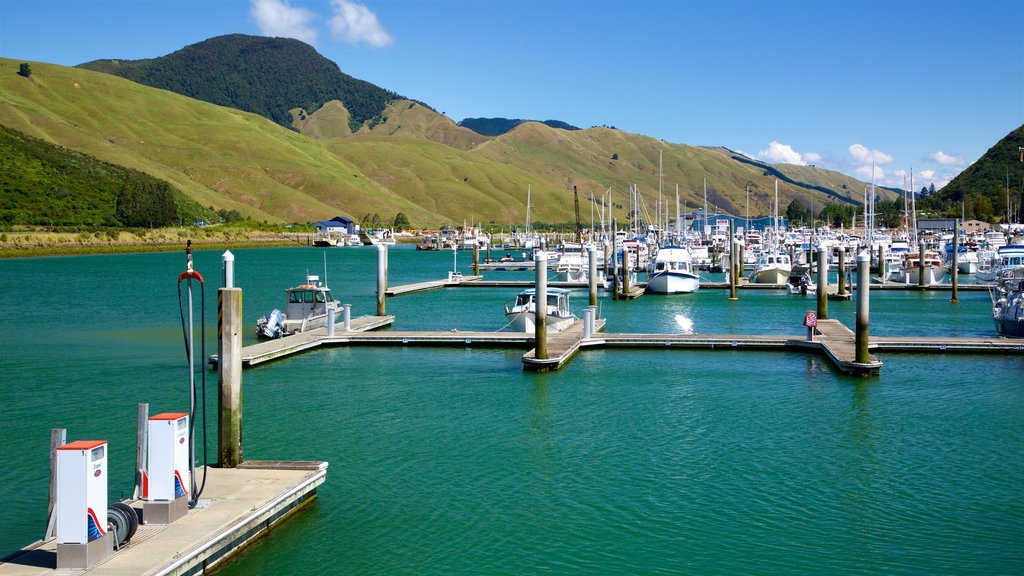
1008,305
672,272
773,267
521,313
306,308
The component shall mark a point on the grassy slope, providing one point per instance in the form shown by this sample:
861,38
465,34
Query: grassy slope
416,161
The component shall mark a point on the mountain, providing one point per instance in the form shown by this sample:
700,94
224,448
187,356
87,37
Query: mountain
411,159
499,126
982,191
265,76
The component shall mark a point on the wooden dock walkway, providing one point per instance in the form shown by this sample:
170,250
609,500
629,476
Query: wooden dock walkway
839,343
279,347
237,506
562,346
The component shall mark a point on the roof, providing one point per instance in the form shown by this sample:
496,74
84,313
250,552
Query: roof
558,291
342,219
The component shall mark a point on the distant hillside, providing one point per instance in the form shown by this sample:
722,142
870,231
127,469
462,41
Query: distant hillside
982,187
41,183
499,126
265,76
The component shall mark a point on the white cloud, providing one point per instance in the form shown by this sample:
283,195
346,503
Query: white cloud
866,172
812,157
927,174
941,157
778,152
862,155
278,18
355,23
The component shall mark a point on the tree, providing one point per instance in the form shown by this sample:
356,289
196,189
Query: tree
931,188
797,211
25,70
401,222
924,192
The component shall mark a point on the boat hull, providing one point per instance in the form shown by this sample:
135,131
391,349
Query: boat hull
932,275
524,322
672,283
770,276
1009,327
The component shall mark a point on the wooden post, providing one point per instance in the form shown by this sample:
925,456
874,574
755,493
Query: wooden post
382,277
229,377
863,282
625,272
540,307
822,283
881,260
920,267
842,271
476,259
141,446
58,437
956,262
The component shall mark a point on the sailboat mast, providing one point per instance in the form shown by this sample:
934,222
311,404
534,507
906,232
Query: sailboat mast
679,225
705,231
913,209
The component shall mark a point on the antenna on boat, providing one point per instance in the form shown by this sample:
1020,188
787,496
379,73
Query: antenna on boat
325,267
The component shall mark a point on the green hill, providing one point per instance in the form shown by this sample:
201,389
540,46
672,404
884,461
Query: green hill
265,76
413,160
981,190
499,126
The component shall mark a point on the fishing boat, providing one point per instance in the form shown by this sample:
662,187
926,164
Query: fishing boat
672,272
773,267
800,282
988,265
522,311
325,241
306,308
1008,305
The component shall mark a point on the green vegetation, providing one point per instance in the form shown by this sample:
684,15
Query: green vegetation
265,76
24,70
983,190
499,126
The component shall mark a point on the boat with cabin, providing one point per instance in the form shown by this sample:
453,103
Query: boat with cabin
672,272
773,267
521,312
306,308
934,269
1008,304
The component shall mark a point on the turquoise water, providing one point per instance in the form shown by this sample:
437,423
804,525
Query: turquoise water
456,461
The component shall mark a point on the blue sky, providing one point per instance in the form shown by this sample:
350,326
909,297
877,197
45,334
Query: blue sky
928,84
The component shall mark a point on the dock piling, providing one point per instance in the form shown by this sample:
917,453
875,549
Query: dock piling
346,317
476,259
382,277
227,263
822,283
615,262
592,272
58,437
861,355
625,271
921,267
588,322
881,260
332,317
956,262
842,272
540,307
733,274
229,377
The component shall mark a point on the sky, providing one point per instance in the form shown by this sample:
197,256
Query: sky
921,86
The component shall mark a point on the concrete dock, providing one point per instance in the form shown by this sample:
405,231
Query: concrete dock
237,506
272,349
562,346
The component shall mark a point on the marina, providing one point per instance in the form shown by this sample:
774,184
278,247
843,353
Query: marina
638,371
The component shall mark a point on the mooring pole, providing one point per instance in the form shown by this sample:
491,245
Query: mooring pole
625,272
540,305
956,262
229,377
732,261
842,271
615,261
920,267
346,317
476,258
58,437
863,281
822,283
592,273
382,277
881,260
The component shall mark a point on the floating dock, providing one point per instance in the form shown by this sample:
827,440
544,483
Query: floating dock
562,346
278,347
237,506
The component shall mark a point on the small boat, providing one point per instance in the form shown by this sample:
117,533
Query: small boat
934,269
672,272
773,267
325,241
1008,305
521,312
988,265
800,282
306,308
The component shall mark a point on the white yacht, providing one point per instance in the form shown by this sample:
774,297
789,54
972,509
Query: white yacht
773,267
934,269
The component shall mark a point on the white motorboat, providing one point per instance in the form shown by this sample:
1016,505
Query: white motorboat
306,308
1008,304
521,313
967,262
934,269
800,282
672,272
773,267
988,265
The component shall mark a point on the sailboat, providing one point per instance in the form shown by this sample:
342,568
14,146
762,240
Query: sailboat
773,265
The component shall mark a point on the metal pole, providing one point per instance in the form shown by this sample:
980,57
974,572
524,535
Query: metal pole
347,317
58,437
141,445
228,267
956,262
863,282
332,316
842,271
476,258
732,261
229,377
881,260
615,261
592,273
540,305
588,322
625,271
822,283
382,274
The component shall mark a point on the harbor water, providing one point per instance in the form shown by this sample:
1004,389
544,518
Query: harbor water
456,461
